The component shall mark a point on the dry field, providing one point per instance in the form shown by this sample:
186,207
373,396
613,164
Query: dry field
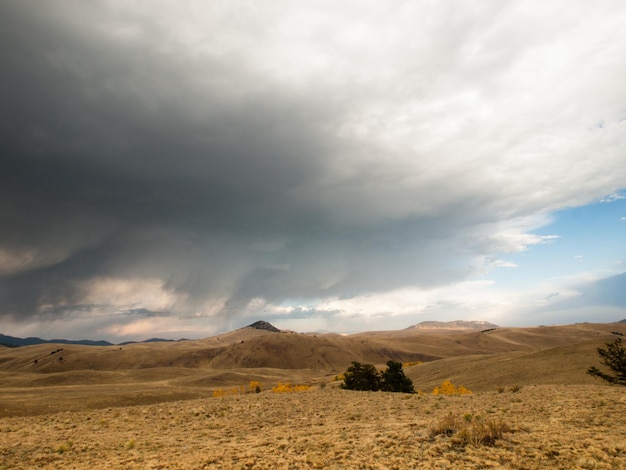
546,426
151,406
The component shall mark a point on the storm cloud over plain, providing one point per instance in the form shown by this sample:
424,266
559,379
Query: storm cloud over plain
182,167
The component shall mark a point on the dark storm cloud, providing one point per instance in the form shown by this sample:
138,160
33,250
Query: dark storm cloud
104,141
121,161
188,160
156,142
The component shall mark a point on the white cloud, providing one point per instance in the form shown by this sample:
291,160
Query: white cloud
123,293
499,263
613,197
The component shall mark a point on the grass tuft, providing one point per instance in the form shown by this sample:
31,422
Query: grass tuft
468,430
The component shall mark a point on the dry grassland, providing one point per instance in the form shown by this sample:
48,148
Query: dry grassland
546,426
151,406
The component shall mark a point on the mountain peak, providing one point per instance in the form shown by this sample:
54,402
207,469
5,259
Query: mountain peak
453,325
263,325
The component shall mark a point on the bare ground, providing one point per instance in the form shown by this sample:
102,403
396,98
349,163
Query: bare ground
551,426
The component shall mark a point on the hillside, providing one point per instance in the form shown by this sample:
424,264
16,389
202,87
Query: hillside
559,365
253,347
45,377
245,348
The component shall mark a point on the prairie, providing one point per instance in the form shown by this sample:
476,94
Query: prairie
550,426
152,405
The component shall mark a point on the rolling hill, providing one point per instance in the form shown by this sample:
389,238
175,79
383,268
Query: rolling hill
97,376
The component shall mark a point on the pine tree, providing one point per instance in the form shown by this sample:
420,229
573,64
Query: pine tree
394,380
361,377
365,377
613,357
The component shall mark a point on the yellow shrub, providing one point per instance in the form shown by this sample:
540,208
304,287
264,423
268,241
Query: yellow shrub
241,390
254,385
289,388
412,363
448,388
220,392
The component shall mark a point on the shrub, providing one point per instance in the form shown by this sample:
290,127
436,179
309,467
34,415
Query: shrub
62,448
394,380
362,377
483,432
290,388
448,388
412,363
365,377
232,391
613,357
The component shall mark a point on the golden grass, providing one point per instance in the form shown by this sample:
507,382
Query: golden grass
470,430
539,427
153,405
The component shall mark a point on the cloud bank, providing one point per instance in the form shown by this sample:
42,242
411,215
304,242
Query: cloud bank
181,168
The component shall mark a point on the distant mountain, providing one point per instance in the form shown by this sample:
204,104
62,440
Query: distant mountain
622,321
263,325
453,325
153,340
14,342
161,340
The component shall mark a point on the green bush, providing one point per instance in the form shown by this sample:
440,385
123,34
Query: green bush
394,380
365,377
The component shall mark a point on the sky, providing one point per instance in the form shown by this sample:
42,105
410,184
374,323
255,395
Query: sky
178,169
